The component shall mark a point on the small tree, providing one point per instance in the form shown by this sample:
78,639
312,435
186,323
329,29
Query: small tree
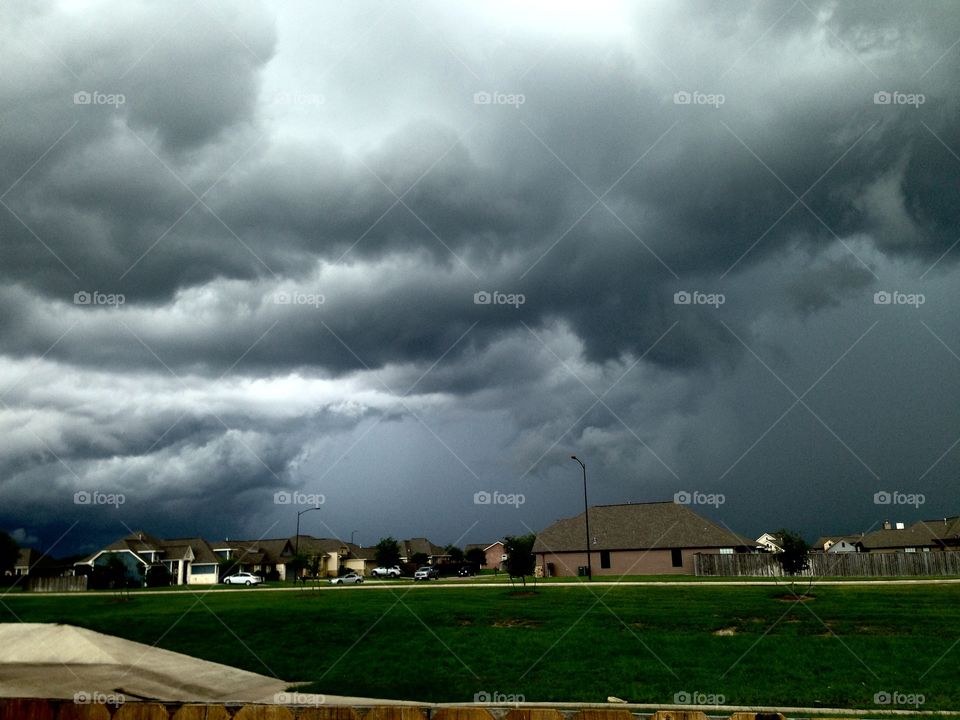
387,552
794,559
158,576
298,564
520,559
9,553
476,556
455,553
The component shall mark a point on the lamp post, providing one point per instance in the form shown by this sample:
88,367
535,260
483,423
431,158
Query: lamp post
586,515
296,542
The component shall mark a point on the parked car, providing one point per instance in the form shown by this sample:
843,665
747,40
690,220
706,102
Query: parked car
243,578
391,572
426,573
351,578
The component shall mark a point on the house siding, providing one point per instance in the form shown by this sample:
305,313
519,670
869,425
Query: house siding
622,562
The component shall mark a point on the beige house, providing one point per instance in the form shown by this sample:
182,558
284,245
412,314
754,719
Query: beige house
659,538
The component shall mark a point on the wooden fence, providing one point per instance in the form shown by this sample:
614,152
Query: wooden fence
35,709
897,564
70,583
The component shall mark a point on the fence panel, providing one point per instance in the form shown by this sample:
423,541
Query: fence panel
922,564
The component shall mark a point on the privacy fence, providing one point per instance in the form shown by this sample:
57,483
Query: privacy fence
32,709
72,583
832,565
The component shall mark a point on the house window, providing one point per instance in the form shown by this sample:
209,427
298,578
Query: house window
605,559
910,550
203,569
676,557
726,551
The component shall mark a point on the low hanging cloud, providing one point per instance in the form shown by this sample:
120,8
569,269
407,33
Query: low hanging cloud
409,251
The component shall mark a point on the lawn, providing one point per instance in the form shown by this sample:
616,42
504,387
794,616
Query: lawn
643,644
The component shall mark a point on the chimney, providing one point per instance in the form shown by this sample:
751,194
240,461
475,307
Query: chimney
886,525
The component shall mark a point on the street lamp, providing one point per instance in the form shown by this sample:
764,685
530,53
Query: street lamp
586,515
296,543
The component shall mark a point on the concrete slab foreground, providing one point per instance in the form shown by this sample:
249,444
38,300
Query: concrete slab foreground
59,661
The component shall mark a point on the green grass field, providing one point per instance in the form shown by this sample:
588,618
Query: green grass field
643,644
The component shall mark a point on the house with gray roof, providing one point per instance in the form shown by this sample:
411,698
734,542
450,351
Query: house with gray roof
634,539
190,561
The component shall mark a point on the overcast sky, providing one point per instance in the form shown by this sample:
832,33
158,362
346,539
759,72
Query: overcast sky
398,254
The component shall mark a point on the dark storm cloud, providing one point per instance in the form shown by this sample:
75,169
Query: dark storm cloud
245,169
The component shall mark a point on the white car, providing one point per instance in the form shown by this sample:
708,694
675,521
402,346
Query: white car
391,572
350,578
242,578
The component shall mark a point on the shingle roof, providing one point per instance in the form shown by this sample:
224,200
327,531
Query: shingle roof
638,526
177,550
947,529
917,535
411,547
28,557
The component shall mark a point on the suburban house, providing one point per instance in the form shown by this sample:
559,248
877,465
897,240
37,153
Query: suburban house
634,539
416,546
836,544
495,553
336,556
190,561
267,558
919,537
769,542
27,560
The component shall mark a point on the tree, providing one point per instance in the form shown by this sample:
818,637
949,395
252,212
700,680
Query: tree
794,559
158,576
419,558
455,553
520,559
476,556
298,564
387,552
9,553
